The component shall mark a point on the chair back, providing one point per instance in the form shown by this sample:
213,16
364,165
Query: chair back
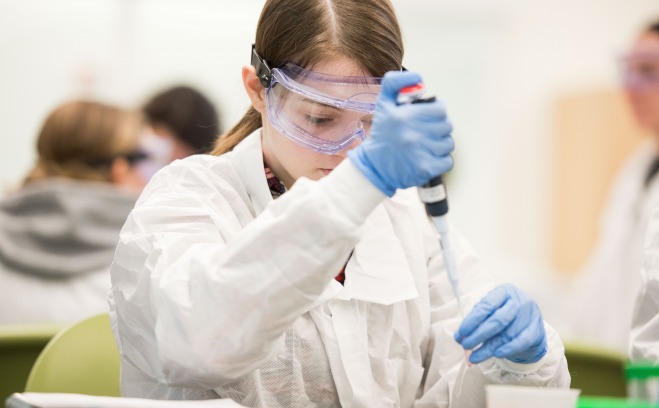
595,370
20,345
80,359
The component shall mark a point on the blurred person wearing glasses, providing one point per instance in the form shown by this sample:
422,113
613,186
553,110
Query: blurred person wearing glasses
644,338
58,231
603,301
182,122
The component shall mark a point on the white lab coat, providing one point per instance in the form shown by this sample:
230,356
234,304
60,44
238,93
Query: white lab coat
644,338
602,300
217,290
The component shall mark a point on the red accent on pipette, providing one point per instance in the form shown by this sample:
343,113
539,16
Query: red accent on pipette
410,93
413,88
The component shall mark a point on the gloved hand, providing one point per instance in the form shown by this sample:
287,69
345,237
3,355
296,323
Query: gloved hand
507,324
408,144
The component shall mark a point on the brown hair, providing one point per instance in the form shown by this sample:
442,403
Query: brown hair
188,114
306,32
80,139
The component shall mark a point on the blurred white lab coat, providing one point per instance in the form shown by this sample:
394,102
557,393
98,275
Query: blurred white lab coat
219,291
644,338
601,303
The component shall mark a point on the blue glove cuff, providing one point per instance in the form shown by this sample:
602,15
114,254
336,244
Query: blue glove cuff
367,169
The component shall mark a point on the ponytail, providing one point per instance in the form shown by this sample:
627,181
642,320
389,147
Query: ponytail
246,126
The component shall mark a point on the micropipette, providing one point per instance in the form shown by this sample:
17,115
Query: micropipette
433,195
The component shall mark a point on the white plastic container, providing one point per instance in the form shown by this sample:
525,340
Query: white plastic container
518,396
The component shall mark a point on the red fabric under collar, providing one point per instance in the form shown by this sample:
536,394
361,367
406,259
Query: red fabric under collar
277,189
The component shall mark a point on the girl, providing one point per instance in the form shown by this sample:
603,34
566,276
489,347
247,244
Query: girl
295,267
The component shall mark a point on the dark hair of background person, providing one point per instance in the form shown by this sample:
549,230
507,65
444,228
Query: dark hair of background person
366,31
80,139
187,114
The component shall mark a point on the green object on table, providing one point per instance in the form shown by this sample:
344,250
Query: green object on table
80,359
595,370
642,371
643,381
20,345
600,402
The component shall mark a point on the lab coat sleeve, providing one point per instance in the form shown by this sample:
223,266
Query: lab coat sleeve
449,381
202,301
644,337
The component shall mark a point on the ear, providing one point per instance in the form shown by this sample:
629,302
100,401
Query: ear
254,88
119,171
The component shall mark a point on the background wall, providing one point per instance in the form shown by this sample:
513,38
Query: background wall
500,65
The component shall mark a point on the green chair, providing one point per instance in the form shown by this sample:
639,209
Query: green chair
20,345
80,359
596,371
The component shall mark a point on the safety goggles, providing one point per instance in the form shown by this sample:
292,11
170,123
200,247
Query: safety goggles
640,70
324,113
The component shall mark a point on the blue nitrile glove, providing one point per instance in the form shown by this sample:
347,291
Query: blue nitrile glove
408,144
508,324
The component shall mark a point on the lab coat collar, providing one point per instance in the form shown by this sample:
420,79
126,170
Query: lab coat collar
247,159
377,271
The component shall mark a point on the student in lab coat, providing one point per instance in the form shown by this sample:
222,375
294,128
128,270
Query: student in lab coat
296,265
602,303
644,339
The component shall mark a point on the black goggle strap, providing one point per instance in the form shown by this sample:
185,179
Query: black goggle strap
262,68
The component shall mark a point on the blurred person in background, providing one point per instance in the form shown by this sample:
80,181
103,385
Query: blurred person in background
183,122
602,300
59,230
644,338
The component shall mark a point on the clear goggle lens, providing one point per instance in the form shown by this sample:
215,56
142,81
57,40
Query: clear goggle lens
641,70
321,112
